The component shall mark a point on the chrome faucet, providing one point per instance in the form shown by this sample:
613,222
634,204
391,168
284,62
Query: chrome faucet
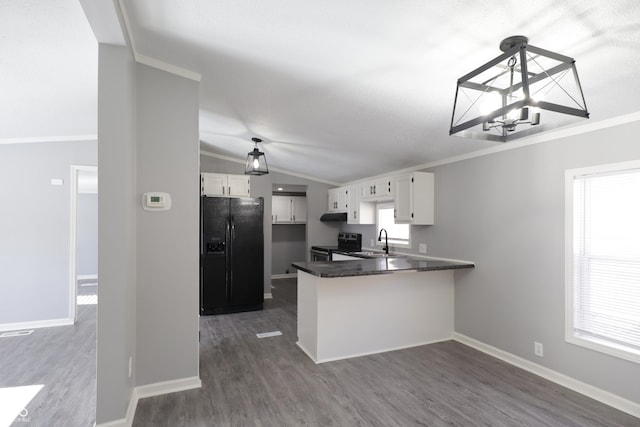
386,240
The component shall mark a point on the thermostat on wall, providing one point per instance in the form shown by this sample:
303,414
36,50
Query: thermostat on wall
156,201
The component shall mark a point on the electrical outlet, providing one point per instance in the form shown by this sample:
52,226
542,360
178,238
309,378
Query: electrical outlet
130,366
422,248
371,243
538,349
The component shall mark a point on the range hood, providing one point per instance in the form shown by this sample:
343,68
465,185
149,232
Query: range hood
334,216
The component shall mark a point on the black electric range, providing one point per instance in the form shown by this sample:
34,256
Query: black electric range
347,242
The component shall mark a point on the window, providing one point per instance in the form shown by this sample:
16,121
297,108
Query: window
603,259
399,234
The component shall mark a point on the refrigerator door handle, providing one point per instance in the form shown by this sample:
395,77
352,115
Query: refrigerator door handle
230,268
227,258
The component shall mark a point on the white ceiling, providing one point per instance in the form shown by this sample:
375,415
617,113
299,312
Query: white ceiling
48,72
339,90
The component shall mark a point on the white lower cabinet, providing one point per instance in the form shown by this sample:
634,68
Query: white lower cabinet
288,210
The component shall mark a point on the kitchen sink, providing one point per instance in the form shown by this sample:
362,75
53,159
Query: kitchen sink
372,254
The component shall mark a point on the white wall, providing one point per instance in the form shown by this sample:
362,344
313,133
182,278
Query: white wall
167,287
35,219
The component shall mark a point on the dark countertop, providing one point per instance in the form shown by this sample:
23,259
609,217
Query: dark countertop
369,266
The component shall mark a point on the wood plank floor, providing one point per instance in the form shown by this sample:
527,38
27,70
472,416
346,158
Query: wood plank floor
63,360
270,382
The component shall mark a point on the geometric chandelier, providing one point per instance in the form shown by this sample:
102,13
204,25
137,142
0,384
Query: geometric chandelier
524,91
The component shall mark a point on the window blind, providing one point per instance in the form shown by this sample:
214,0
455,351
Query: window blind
606,256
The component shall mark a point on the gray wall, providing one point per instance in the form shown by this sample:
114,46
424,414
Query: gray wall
148,261
288,245
505,211
35,220
117,231
87,224
167,288
318,233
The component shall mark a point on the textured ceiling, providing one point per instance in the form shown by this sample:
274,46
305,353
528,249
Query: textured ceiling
344,90
341,90
48,71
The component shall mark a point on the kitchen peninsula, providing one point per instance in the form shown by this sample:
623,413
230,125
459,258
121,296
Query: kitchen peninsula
363,306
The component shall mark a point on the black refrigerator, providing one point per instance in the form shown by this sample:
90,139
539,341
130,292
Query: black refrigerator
231,254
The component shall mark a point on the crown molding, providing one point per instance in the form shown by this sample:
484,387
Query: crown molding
271,169
534,139
148,60
38,139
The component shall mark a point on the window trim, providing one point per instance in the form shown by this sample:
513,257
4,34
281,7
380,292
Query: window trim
392,242
605,347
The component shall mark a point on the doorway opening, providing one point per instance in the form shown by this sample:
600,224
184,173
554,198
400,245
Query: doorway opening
289,228
83,273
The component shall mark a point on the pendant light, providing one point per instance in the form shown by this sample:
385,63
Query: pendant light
256,161
525,90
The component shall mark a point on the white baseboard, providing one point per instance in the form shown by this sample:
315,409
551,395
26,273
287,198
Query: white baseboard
588,390
284,276
149,390
35,324
165,387
267,295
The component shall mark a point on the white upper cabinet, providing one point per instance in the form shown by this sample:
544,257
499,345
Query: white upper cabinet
378,189
299,213
239,185
338,199
288,210
217,184
359,212
414,194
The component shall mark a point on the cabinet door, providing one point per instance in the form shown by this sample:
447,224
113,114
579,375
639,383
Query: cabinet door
358,211
238,185
338,199
403,199
383,188
299,214
378,189
213,184
367,191
280,210
342,199
333,200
